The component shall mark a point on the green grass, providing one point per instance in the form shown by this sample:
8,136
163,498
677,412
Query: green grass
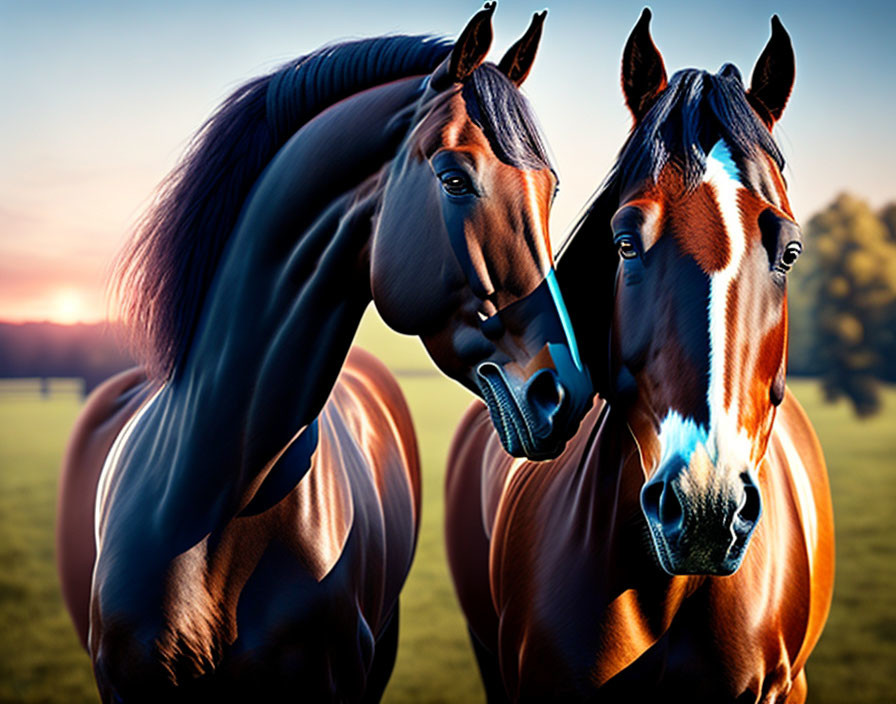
855,660
40,657
41,661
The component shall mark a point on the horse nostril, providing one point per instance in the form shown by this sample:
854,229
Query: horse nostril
651,497
670,507
752,505
545,392
660,501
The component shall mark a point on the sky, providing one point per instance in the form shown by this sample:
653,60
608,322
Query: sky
100,98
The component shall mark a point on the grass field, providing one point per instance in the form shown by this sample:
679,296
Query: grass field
41,661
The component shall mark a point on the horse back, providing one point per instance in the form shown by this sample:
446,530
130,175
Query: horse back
102,417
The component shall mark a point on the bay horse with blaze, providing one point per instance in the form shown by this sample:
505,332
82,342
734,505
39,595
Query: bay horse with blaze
237,517
681,548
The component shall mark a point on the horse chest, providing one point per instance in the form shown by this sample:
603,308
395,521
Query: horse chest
593,615
607,650
701,656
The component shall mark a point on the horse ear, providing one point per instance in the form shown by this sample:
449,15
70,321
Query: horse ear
469,51
517,62
643,71
772,78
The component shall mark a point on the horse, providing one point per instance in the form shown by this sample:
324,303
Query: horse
681,547
238,514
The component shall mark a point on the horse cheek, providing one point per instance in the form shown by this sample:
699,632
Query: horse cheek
412,271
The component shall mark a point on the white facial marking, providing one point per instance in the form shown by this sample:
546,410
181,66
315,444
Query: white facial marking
725,437
680,436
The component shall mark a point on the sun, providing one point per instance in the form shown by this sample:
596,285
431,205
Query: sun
68,306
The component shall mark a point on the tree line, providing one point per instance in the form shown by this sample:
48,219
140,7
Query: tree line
43,350
842,302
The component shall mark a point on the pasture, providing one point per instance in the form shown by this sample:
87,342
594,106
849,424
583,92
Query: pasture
41,661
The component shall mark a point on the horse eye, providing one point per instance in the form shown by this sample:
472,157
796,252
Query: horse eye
627,249
790,255
456,184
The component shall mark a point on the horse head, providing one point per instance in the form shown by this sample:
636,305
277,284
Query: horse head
461,254
691,341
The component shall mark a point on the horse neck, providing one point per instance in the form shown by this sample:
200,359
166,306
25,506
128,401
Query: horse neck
282,310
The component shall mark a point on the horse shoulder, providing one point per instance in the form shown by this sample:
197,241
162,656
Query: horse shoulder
102,417
799,457
375,388
468,521
779,599
542,565
365,476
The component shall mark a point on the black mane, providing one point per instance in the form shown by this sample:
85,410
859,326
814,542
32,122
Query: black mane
164,272
695,111
495,104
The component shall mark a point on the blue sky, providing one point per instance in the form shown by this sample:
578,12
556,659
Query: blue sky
100,98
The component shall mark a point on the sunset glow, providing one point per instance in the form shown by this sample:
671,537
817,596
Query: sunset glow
68,307
80,162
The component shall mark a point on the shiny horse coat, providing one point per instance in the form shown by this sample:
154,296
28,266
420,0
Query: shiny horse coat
681,547
325,563
237,518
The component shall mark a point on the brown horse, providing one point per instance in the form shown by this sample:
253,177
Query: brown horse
636,566
237,518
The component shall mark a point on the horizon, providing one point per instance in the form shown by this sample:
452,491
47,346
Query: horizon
108,95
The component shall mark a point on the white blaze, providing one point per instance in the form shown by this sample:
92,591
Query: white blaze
723,437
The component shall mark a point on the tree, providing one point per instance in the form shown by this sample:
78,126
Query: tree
803,294
887,216
852,278
888,332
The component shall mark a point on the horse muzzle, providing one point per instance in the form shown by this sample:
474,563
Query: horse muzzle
535,417
539,393
700,525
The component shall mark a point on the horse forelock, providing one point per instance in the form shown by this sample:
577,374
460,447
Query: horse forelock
163,273
495,104
690,116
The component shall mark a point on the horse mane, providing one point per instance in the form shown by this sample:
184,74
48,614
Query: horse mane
695,110
496,105
163,274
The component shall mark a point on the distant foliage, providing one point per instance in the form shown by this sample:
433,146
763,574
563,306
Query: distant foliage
44,350
843,302
888,218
